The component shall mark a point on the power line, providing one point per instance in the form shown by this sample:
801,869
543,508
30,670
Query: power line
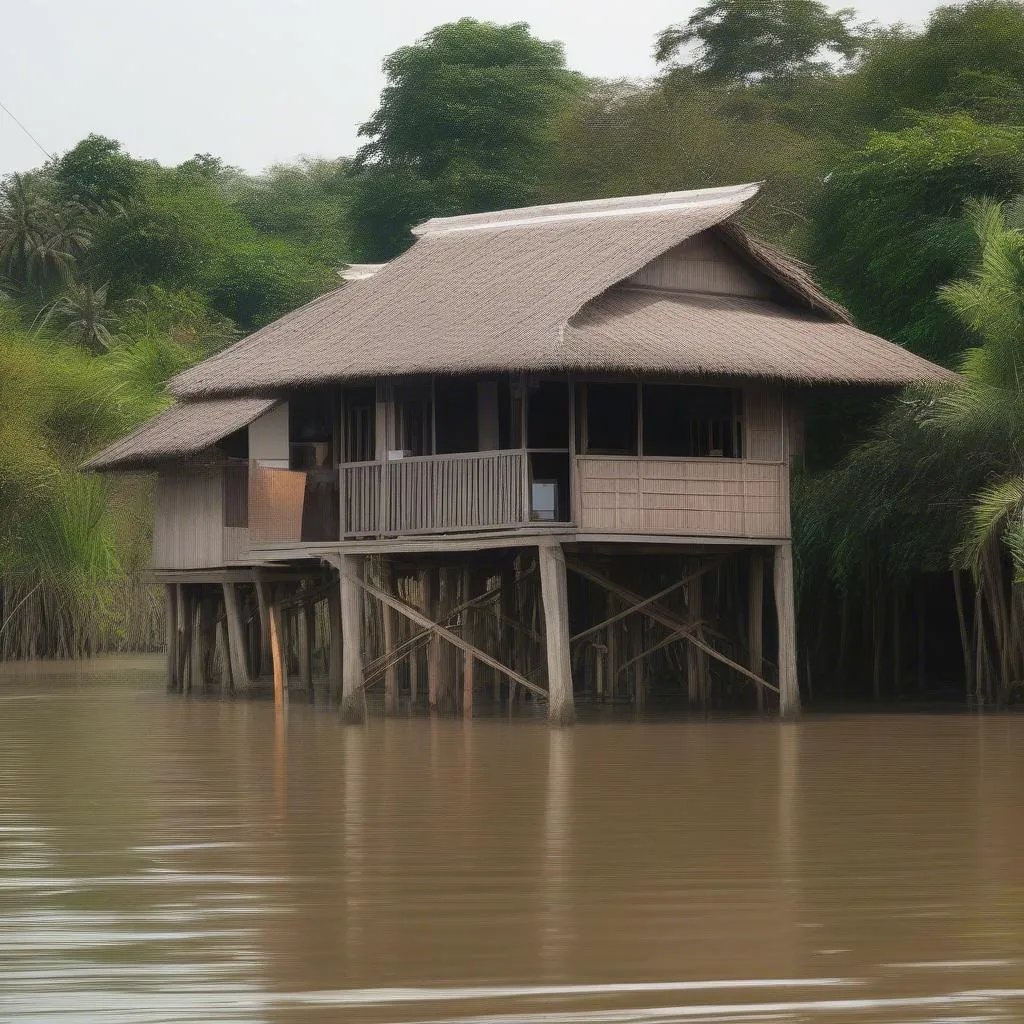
48,156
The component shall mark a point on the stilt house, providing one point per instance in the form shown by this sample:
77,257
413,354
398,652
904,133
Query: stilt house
581,382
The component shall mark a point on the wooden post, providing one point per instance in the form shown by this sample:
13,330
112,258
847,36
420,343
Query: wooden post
171,625
278,655
236,638
755,620
469,635
429,586
334,670
353,700
306,641
696,659
185,617
264,607
640,683
388,621
227,681
785,605
561,710
202,644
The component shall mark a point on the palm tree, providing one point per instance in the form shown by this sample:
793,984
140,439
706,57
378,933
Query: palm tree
84,315
38,239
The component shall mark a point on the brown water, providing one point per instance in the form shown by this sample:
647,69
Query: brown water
166,859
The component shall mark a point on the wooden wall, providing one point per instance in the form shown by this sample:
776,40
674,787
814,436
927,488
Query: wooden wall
715,497
268,438
189,530
703,264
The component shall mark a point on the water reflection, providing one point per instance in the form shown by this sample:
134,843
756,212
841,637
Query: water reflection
164,859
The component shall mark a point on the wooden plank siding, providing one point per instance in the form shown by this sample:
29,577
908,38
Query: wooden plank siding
714,497
691,497
188,532
703,264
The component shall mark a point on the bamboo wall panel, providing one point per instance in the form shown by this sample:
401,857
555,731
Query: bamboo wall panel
187,533
235,543
276,498
703,264
689,497
764,424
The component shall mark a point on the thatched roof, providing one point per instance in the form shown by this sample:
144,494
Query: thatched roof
509,291
180,431
636,330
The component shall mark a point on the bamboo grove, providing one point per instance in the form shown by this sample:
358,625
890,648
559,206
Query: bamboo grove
893,158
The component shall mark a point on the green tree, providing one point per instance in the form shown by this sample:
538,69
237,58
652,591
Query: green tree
888,230
96,172
40,240
752,40
84,317
464,124
969,59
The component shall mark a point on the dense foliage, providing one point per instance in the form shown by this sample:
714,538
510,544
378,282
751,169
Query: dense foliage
873,143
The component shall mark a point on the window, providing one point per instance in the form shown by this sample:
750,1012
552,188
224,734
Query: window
457,417
311,430
360,406
610,419
691,422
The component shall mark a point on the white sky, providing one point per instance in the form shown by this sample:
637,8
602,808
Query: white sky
259,81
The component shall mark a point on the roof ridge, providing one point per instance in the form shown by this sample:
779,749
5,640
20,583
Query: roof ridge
590,209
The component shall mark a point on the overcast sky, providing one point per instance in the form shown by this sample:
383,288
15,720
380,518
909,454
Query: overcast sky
260,81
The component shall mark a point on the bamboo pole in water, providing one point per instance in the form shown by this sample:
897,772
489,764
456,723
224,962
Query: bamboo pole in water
755,620
277,654
171,624
785,604
388,633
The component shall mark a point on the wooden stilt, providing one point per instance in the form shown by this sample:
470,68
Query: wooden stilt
227,682
469,635
640,664
334,670
696,660
388,621
755,620
306,641
278,653
353,700
171,625
186,617
236,636
561,709
429,586
785,604
263,603
181,655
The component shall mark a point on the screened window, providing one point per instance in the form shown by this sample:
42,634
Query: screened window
691,422
611,419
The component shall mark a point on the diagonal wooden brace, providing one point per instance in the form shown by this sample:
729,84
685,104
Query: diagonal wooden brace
453,638
677,625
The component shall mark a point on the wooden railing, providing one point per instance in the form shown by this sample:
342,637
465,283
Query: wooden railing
361,498
434,494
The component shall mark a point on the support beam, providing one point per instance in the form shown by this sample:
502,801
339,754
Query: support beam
697,681
171,626
684,630
236,636
227,681
306,641
785,605
278,655
755,620
429,588
389,624
561,710
334,668
263,602
353,700
453,638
